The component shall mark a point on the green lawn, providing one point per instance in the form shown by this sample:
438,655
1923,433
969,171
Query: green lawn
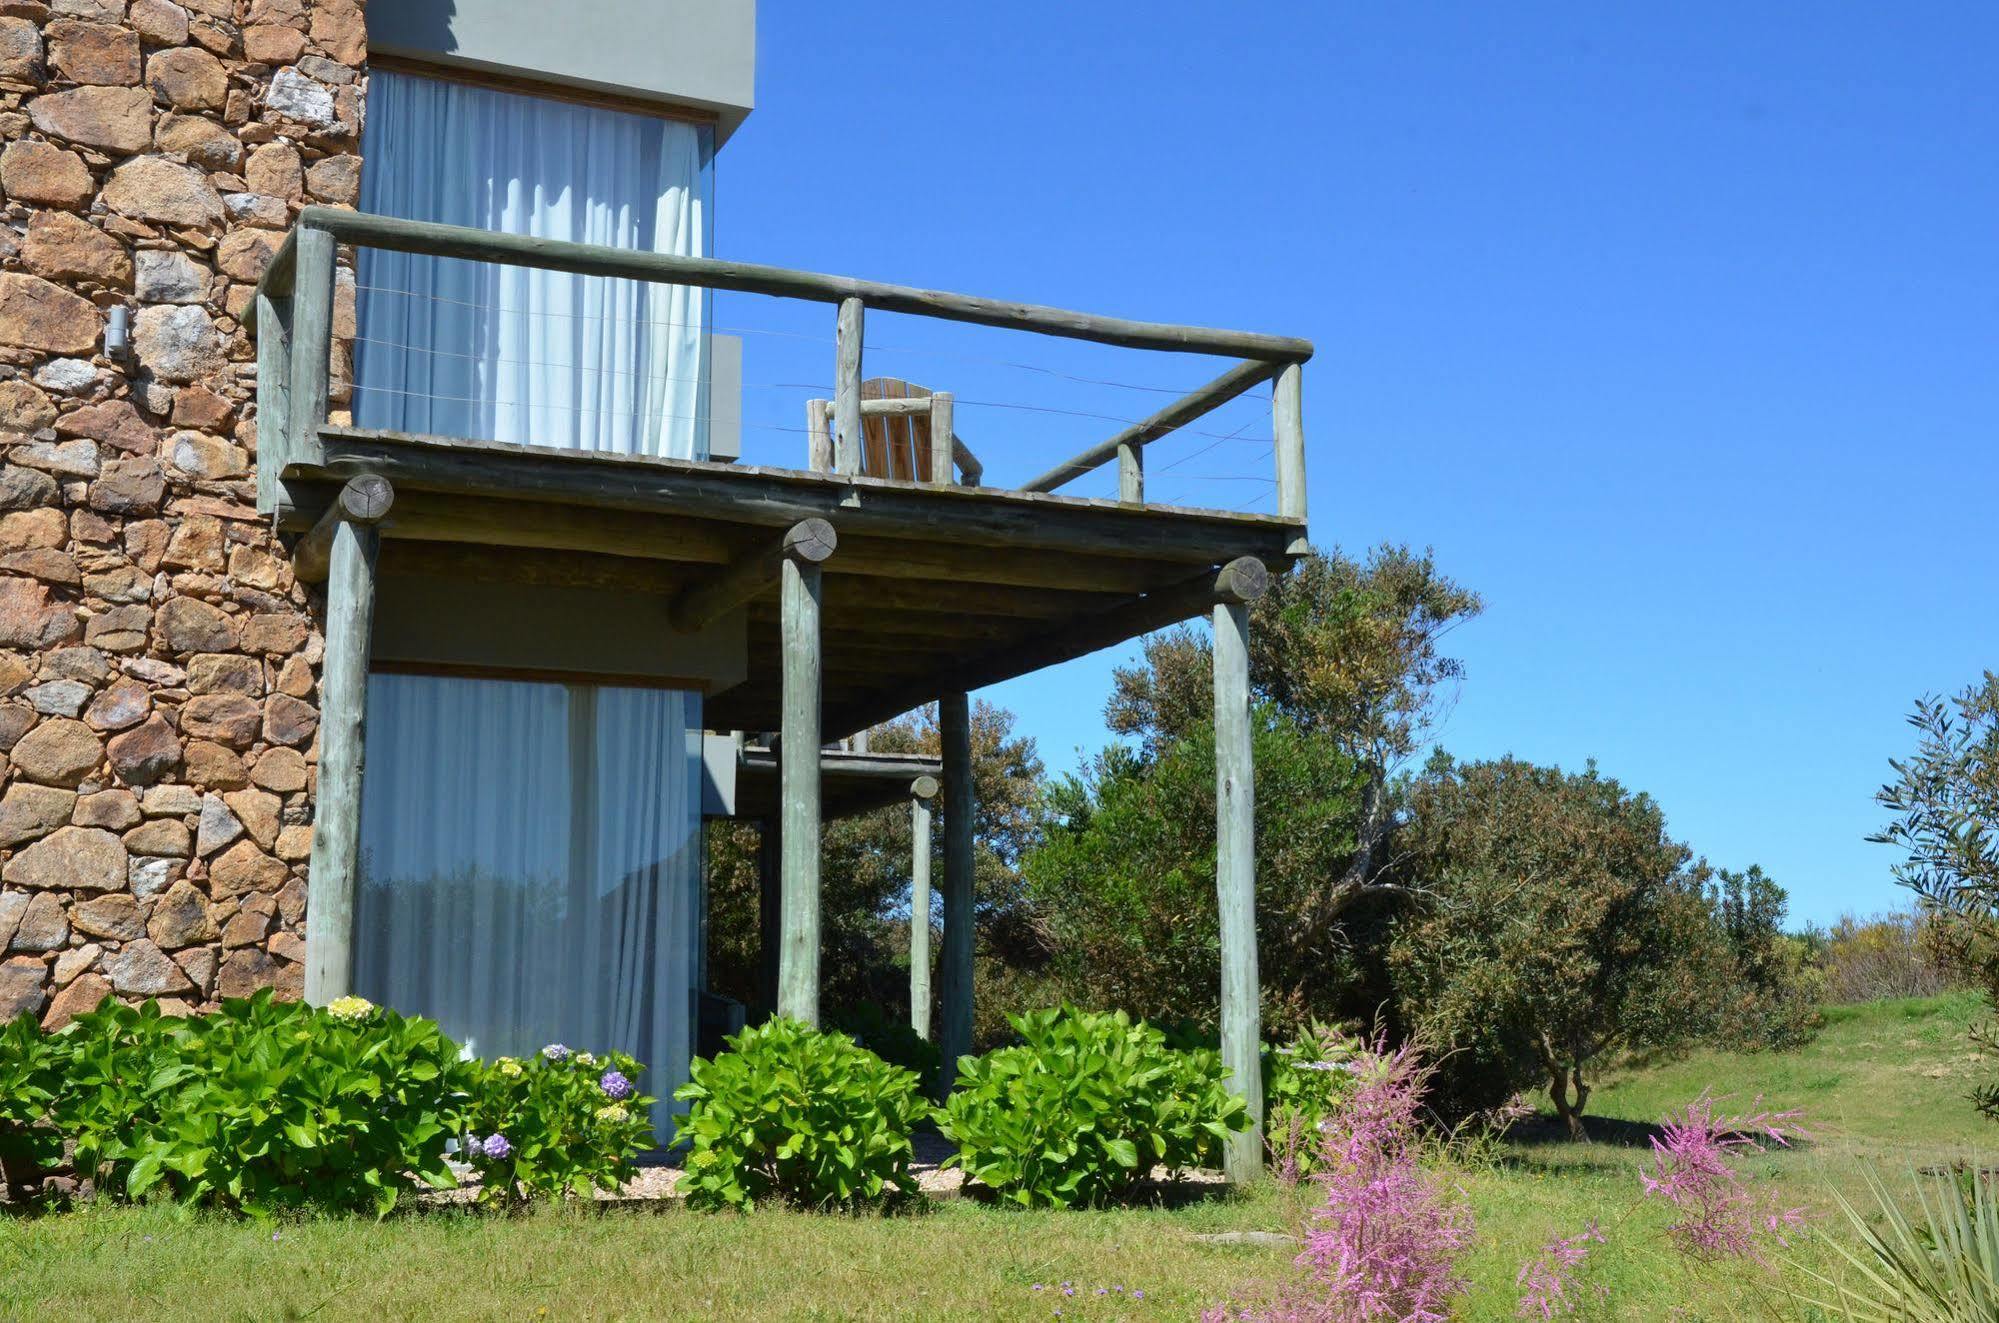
1884,1083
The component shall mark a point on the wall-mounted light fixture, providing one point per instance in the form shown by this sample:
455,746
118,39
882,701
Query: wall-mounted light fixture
118,337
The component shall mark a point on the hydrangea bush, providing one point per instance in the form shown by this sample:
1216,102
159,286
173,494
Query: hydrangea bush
31,1069
560,1122
261,1105
1305,1081
1084,1108
792,1114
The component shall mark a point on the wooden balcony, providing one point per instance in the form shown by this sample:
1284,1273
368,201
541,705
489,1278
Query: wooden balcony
857,597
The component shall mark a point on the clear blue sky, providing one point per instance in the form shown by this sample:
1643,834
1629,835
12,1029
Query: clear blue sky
1674,330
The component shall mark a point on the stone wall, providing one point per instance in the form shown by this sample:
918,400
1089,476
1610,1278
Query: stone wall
158,664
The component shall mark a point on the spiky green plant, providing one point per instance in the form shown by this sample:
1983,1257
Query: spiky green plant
1939,1266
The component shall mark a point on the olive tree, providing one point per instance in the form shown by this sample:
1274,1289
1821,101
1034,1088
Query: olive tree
1551,920
1946,798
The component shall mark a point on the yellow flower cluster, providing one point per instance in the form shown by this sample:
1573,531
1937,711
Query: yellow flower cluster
509,1067
350,1008
614,1114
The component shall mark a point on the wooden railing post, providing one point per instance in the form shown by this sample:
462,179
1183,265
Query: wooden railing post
1131,473
847,388
942,458
819,442
1287,417
311,344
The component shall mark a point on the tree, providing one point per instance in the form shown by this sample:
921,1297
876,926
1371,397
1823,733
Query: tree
865,875
1947,799
1348,652
1771,995
1124,885
1552,920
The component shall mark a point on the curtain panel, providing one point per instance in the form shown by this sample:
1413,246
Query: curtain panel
530,870
503,353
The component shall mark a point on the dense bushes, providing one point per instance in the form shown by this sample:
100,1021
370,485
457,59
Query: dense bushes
1084,1108
261,1105
1305,1081
793,1114
264,1104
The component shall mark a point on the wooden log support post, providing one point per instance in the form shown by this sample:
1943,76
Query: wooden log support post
365,499
798,790
921,792
343,699
954,975
1235,884
1287,417
847,436
942,456
809,540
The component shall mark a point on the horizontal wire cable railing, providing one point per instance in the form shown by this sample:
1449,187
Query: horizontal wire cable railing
1184,470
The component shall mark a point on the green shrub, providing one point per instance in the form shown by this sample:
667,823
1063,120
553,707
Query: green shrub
560,1122
891,1038
1084,1108
31,1071
793,1114
1304,1081
262,1104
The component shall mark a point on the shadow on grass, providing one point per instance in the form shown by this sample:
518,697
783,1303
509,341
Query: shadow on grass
1167,1196
1539,1131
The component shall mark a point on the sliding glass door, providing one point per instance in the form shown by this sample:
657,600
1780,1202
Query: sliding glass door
531,864
503,353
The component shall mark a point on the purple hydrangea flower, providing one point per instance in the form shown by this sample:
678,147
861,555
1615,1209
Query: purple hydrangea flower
615,1086
556,1052
496,1146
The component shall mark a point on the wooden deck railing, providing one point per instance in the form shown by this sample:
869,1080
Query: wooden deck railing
296,295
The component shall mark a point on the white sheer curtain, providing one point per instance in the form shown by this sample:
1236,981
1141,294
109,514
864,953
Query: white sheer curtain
505,353
531,865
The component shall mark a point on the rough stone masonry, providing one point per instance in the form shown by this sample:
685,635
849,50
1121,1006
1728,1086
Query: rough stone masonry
158,663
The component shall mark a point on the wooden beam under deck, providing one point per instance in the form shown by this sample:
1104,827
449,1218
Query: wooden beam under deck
933,589
959,517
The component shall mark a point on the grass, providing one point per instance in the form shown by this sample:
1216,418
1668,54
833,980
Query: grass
1884,1084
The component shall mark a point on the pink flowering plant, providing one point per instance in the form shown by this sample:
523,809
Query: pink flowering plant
1694,1168
1386,1241
558,1122
1551,1283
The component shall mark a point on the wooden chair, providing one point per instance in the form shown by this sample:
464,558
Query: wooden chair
898,419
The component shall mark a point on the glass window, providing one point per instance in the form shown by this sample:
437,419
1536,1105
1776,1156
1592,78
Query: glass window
530,868
505,353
